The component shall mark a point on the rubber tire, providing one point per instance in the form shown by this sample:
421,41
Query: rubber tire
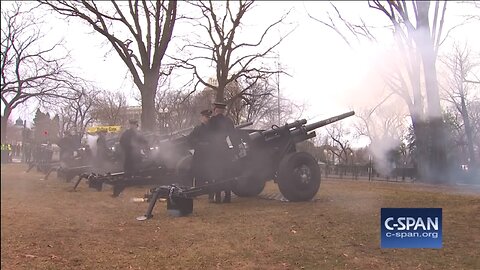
251,187
290,186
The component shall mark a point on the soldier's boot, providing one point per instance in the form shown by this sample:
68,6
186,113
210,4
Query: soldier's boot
228,196
218,197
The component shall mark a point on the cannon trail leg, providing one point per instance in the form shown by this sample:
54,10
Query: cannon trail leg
117,189
49,172
78,182
151,205
30,166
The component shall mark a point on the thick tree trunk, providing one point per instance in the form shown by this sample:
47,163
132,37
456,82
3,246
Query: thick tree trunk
437,153
437,138
6,115
421,131
148,109
148,90
4,128
220,93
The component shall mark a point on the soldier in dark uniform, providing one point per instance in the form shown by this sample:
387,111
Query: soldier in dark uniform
132,144
199,141
67,148
102,150
221,130
27,152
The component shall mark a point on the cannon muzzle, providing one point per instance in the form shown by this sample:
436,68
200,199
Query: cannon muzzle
328,121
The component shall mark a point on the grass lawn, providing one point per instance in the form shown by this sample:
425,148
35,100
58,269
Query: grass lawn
44,226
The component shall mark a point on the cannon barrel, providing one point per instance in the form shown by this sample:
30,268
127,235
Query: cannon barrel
275,131
246,124
328,121
173,133
183,139
167,137
288,126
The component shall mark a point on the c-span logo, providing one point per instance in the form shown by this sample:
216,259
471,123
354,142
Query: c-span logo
411,227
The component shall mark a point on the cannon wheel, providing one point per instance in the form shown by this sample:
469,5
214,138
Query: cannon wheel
182,170
299,177
250,187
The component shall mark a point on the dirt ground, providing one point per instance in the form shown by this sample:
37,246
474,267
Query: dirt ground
44,226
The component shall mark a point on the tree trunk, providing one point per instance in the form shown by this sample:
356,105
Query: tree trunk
148,108
148,90
468,130
6,115
437,139
4,128
220,93
420,128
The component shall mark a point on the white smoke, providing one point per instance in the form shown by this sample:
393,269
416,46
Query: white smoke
92,142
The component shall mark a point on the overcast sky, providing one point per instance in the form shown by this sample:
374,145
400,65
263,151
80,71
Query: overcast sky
328,76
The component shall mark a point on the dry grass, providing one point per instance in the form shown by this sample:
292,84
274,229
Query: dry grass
44,226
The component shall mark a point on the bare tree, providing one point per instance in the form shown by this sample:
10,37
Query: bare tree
475,7
385,126
418,38
381,123
254,100
261,105
30,68
110,108
423,37
231,58
139,31
76,113
176,110
474,113
459,89
340,146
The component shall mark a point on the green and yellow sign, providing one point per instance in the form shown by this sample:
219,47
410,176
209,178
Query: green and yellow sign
109,129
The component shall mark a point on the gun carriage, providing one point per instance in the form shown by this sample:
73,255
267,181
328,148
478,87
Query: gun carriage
262,155
44,158
167,161
82,164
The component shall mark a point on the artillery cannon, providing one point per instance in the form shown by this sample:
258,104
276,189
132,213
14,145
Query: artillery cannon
262,155
119,181
167,162
45,157
86,169
81,162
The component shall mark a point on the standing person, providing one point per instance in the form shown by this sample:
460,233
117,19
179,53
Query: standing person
18,150
66,148
199,141
132,144
14,150
102,149
76,140
222,132
27,151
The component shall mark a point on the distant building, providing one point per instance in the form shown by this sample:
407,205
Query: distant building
132,112
121,119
